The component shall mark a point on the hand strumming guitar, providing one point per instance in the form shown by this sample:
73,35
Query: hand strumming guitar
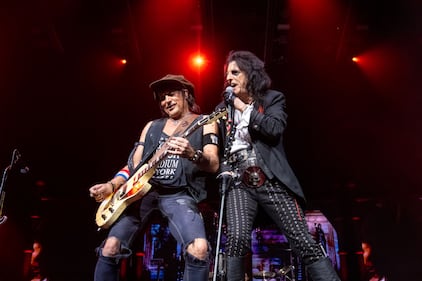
101,191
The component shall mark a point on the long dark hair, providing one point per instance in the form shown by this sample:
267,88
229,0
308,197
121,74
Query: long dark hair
258,79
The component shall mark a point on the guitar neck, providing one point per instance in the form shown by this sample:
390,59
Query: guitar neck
190,130
163,151
158,156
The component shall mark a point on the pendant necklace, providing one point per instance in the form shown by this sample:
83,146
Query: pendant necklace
176,122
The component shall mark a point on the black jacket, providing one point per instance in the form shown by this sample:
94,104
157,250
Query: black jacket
266,127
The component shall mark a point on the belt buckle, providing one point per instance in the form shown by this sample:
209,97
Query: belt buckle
253,176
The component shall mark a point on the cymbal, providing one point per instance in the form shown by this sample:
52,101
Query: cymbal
264,274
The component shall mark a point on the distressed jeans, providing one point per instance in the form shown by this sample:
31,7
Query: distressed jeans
185,224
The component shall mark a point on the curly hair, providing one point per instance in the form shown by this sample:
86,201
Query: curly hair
258,79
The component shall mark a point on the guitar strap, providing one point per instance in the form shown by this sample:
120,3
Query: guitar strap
184,124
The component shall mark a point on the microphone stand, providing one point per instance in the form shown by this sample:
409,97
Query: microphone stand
15,157
226,180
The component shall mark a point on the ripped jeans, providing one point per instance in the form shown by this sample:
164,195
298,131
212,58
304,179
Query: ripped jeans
185,224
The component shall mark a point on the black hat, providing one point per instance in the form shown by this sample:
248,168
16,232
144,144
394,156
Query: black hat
171,81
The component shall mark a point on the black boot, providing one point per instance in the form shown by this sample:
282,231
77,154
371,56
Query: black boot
235,268
322,270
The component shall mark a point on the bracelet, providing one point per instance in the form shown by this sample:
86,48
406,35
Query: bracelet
113,186
197,156
124,173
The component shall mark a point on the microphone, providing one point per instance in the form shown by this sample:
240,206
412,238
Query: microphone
16,160
229,96
24,170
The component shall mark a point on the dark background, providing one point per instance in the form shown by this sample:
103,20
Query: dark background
354,135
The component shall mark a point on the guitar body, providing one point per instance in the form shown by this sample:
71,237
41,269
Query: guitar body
114,205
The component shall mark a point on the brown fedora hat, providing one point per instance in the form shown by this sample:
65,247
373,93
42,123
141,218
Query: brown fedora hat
171,81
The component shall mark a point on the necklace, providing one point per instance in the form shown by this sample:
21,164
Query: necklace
176,122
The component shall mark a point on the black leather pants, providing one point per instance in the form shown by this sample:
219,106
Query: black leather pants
241,210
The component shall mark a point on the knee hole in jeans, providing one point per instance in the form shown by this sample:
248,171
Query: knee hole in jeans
111,247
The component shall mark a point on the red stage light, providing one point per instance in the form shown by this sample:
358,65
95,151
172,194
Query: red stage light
355,59
198,61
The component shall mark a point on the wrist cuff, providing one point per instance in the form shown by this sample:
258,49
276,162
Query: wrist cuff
197,156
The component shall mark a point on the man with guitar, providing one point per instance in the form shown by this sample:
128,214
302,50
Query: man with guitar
166,171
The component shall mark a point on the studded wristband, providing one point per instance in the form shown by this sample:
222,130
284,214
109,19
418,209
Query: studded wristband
197,156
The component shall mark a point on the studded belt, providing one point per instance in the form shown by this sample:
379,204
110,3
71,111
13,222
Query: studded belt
238,156
245,163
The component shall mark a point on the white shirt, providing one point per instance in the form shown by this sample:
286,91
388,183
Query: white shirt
242,139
